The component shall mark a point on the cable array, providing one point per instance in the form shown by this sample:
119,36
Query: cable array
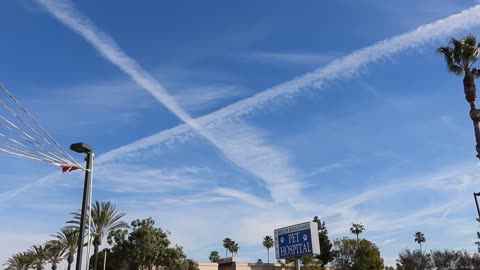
22,136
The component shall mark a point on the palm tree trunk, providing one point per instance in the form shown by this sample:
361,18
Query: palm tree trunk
268,256
54,266
471,96
469,86
475,116
95,256
420,246
70,261
225,252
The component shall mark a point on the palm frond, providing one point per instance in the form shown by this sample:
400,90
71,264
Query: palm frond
470,40
453,66
476,72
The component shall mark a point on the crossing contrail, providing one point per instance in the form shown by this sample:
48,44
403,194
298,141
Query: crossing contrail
341,68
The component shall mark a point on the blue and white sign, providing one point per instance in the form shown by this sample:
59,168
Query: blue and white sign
297,240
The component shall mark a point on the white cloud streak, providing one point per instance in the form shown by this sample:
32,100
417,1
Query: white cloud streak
342,68
66,13
243,196
339,69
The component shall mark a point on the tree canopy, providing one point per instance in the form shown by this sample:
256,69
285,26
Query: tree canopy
353,255
146,247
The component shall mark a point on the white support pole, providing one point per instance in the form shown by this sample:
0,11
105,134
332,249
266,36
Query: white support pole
105,259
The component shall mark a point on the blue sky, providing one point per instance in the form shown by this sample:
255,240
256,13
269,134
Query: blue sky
232,119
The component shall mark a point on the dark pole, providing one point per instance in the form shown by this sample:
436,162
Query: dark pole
83,148
476,203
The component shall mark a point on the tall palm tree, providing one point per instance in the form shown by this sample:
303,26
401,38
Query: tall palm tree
234,248
105,219
420,238
54,252
19,261
268,243
460,56
214,256
39,256
357,229
69,236
227,243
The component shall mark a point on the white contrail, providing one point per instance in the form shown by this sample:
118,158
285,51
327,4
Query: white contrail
338,69
66,13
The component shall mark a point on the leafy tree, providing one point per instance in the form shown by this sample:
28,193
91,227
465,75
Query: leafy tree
214,256
227,243
268,243
105,219
460,56
445,259
353,255
101,259
311,263
146,247
414,260
259,261
326,254
439,259
146,243
69,236
54,250
357,229
419,238
478,242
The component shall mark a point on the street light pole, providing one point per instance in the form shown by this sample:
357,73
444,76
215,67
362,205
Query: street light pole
475,195
84,148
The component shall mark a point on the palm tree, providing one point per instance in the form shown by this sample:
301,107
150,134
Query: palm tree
234,248
54,252
268,243
420,238
105,219
214,256
19,261
460,57
68,236
39,256
227,243
357,229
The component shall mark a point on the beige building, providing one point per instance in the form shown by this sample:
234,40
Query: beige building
242,266
226,264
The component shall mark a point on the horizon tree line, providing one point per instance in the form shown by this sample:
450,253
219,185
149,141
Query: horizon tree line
128,247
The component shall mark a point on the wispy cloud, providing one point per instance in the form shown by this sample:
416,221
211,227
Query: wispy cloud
5,197
152,180
339,69
202,97
342,68
282,58
243,196
66,13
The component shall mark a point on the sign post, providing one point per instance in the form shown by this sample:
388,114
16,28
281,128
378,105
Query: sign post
296,241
